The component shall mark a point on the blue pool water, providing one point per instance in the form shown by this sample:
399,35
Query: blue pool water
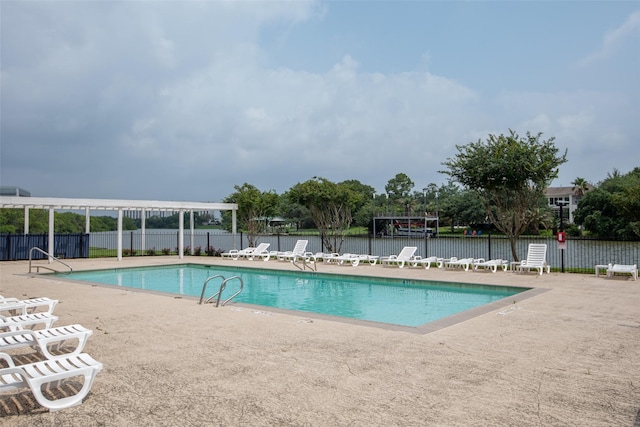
394,301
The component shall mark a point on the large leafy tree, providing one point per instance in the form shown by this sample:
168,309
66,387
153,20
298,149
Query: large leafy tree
363,210
254,208
399,190
331,206
510,174
612,210
463,207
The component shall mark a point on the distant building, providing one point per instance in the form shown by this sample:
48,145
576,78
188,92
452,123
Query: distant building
14,192
568,197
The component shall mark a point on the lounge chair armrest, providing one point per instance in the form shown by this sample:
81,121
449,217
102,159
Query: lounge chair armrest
7,359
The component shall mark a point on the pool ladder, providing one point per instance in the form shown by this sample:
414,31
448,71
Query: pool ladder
38,267
219,293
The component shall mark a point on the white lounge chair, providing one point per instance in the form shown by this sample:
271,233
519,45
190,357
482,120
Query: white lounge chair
27,306
235,254
404,257
623,269
536,259
35,375
418,262
369,259
325,257
41,339
491,265
464,263
259,252
249,253
298,250
27,321
355,259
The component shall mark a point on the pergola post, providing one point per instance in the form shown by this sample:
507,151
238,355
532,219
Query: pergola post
181,234
143,226
51,235
26,220
233,228
119,250
191,228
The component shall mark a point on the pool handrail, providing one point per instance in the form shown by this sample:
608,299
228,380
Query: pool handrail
218,294
38,267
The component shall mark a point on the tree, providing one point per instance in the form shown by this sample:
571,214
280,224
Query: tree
331,206
510,174
580,187
463,207
399,190
612,210
254,209
363,210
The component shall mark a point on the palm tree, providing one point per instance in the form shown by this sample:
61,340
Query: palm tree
580,187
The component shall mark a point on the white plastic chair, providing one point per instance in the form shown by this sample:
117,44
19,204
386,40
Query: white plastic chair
35,375
42,338
536,259
404,257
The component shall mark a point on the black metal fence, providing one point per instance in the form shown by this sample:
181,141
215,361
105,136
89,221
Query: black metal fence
580,255
17,246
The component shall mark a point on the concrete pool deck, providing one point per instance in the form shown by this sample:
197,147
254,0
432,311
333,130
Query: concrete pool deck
566,356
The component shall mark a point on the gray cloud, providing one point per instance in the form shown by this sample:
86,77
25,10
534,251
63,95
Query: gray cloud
164,100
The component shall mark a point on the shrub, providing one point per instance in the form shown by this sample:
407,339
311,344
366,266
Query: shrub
151,252
197,250
211,251
166,251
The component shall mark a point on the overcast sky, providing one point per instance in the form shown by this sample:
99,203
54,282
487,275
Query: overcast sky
182,100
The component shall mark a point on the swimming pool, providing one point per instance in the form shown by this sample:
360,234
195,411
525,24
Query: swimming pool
392,301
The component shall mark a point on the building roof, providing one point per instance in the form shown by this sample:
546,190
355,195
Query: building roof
14,191
563,191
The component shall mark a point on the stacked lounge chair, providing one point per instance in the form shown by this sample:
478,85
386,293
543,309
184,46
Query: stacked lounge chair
27,306
16,332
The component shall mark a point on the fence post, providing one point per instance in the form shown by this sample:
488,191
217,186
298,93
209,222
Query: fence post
489,244
426,245
208,242
131,243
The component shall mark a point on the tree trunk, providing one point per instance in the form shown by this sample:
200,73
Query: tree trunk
514,251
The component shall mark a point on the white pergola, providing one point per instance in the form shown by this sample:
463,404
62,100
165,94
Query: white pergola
120,206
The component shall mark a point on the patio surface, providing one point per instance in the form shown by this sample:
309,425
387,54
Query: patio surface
569,356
